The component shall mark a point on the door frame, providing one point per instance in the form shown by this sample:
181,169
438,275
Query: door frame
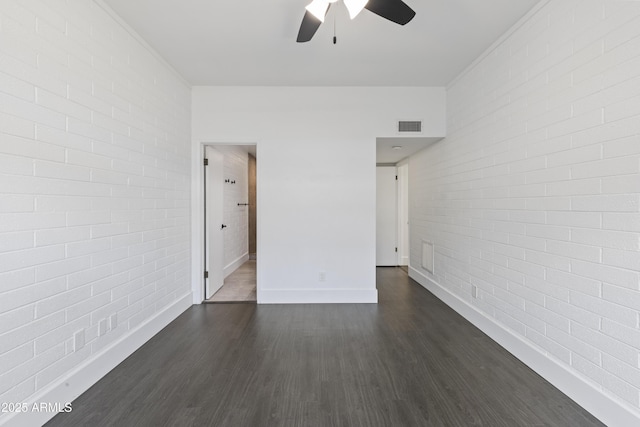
198,240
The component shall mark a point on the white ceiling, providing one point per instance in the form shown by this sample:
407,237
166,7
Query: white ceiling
388,155
252,42
249,149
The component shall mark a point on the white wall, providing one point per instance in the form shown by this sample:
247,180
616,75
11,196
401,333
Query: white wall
236,218
316,179
534,196
94,198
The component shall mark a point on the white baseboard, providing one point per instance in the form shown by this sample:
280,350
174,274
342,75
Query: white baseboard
318,296
233,265
606,408
81,378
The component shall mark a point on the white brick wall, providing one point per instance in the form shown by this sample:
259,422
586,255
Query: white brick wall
534,195
236,240
94,187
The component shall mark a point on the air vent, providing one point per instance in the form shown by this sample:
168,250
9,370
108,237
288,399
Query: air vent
427,256
409,126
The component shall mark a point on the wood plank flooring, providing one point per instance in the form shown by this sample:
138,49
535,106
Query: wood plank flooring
407,361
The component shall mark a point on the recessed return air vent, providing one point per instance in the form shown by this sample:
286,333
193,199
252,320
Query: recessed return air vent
427,256
409,126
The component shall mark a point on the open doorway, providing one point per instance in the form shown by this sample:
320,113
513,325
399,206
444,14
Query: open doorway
386,216
230,207
392,215
393,159
403,214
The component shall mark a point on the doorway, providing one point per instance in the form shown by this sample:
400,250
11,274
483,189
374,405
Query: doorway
403,215
386,216
392,215
396,153
230,207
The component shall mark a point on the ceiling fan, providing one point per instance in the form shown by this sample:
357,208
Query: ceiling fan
394,10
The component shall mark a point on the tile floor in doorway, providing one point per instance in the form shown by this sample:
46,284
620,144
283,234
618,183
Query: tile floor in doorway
239,286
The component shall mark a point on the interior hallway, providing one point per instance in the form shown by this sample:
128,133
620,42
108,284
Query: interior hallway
408,361
239,286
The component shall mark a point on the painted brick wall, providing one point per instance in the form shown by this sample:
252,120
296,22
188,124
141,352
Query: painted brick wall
236,243
533,197
94,188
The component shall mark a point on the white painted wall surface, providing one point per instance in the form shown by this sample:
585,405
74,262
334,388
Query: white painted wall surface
94,198
316,179
236,218
534,197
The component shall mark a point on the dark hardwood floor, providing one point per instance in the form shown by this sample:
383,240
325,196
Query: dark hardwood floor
407,361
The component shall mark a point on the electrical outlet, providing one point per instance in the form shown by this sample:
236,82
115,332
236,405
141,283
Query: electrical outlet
474,291
322,276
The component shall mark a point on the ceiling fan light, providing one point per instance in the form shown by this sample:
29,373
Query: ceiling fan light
318,8
355,7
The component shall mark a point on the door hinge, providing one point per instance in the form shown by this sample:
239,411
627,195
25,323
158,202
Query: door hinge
206,274
396,249
396,177
206,162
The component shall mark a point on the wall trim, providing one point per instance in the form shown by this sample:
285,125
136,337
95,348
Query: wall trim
318,296
136,36
89,372
527,16
607,409
234,265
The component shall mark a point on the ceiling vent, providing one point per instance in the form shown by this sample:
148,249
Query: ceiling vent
410,126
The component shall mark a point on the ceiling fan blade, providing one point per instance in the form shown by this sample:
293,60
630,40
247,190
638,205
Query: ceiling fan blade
309,26
394,10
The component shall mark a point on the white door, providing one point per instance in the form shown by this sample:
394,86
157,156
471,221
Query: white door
386,216
214,221
403,214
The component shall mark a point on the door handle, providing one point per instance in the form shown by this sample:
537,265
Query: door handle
223,226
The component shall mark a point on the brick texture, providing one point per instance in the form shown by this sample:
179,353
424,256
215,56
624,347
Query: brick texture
94,187
534,195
